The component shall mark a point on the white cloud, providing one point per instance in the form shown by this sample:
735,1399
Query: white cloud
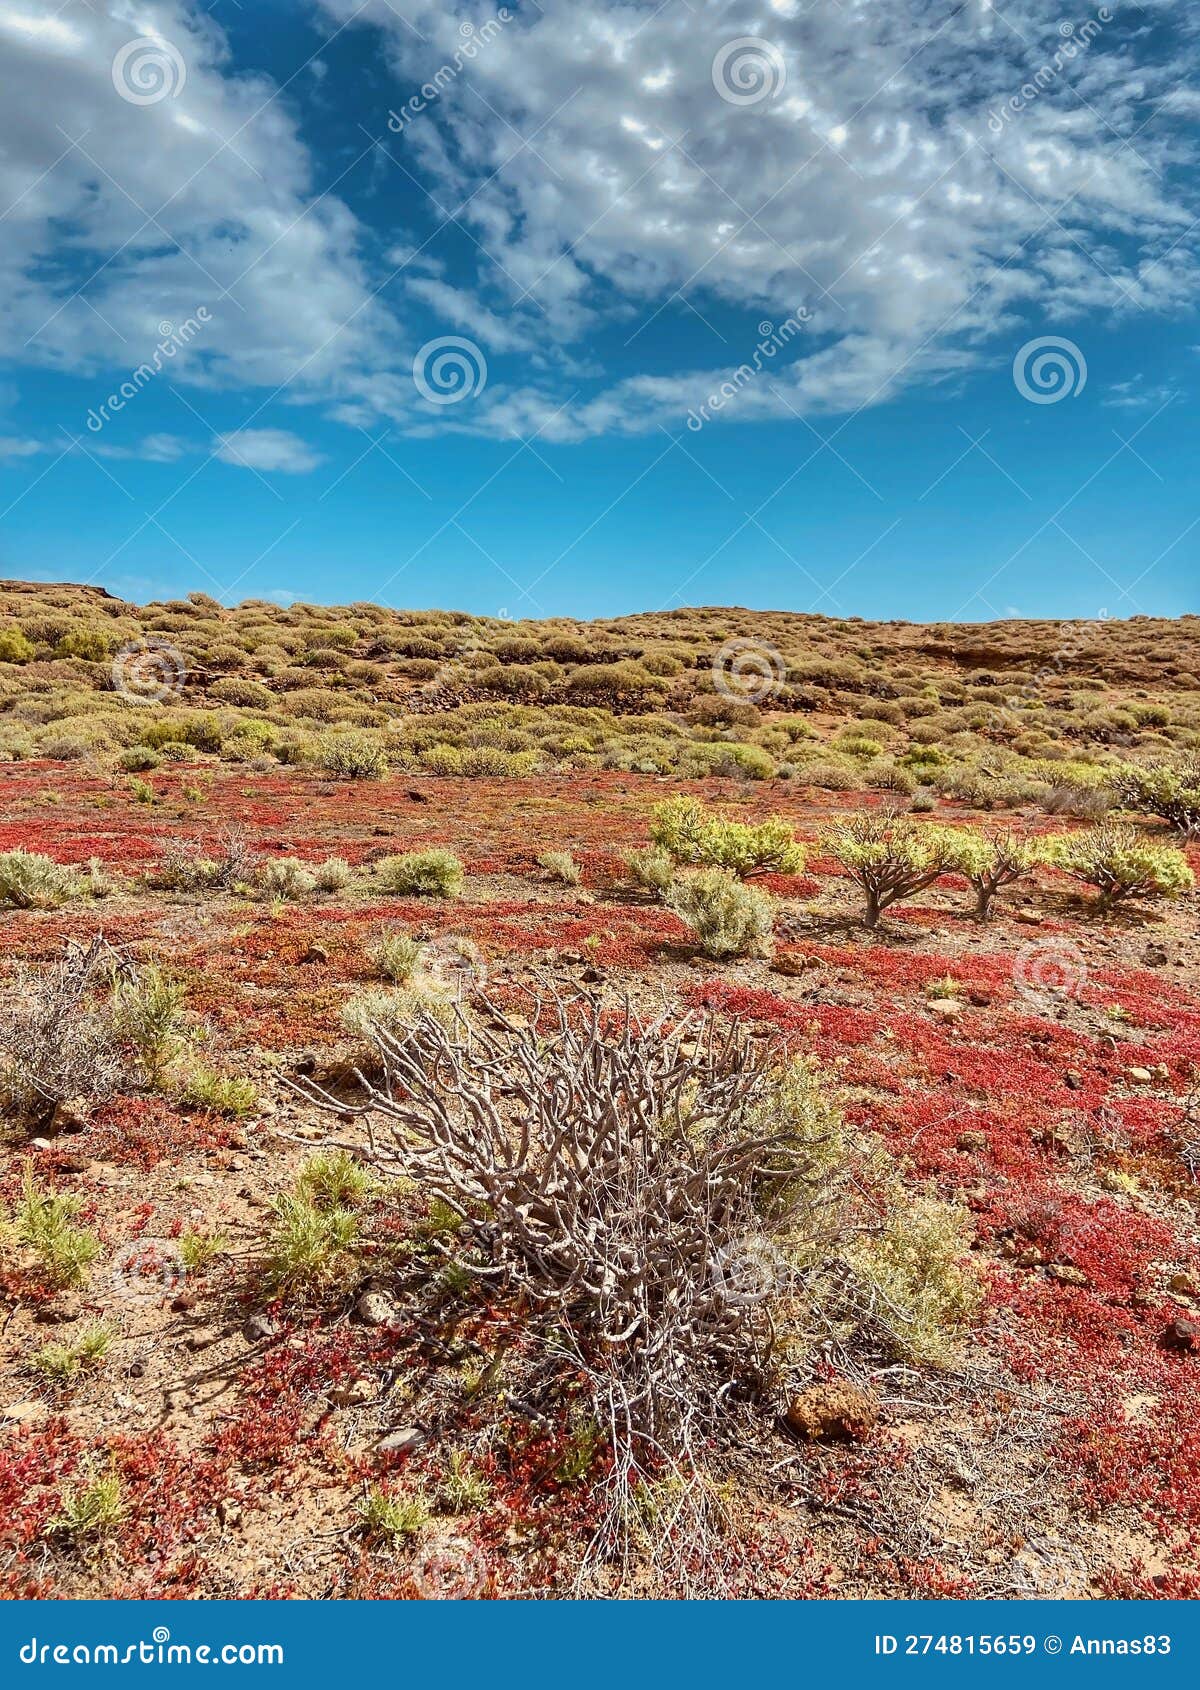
267,449
15,447
600,186
123,218
593,160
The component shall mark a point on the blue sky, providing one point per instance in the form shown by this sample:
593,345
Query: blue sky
942,257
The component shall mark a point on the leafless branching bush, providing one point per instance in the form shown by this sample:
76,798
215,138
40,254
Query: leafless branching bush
630,1190
56,1039
193,865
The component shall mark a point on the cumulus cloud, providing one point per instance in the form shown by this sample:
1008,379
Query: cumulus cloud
267,449
916,175
921,179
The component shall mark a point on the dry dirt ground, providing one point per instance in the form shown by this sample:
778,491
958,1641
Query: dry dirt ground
1059,1456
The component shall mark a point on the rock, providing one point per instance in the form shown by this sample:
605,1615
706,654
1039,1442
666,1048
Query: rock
1027,918
316,952
1030,1257
1066,1275
26,1413
306,1063
1140,1076
258,1327
980,999
1160,1072
1155,956
1185,1285
185,1301
947,1009
591,976
229,1511
1072,1079
838,1409
1141,1298
971,1141
1179,1335
374,1308
353,1393
399,1443
789,964
70,1116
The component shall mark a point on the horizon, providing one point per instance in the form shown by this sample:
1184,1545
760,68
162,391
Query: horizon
546,310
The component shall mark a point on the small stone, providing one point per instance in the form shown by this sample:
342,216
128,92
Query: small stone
948,1009
1140,1076
374,1308
1066,1275
1179,1335
790,964
202,1338
1160,1072
1141,1298
399,1443
229,1511
258,1327
183,1302
980,999
1072,1079
1155,956
591,976
306,1064
1027,918
1184,1285
971,1141
316,952
1030,1258
837,1410
353,1393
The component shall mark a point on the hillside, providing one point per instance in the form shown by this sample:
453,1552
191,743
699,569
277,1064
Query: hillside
700,1103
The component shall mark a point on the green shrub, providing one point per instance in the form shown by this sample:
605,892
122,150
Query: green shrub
1164,790
30,881
919,1279
990,861
435,873
309,1244
889,856
562,867
223,1094
285,877
728,918
14,647
351,757
45,1225
683,828
1120,864
138,759
653,869
396,956
147,1013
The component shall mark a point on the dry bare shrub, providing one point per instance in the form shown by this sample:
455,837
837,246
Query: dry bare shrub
190,865
57,1039
652,1199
